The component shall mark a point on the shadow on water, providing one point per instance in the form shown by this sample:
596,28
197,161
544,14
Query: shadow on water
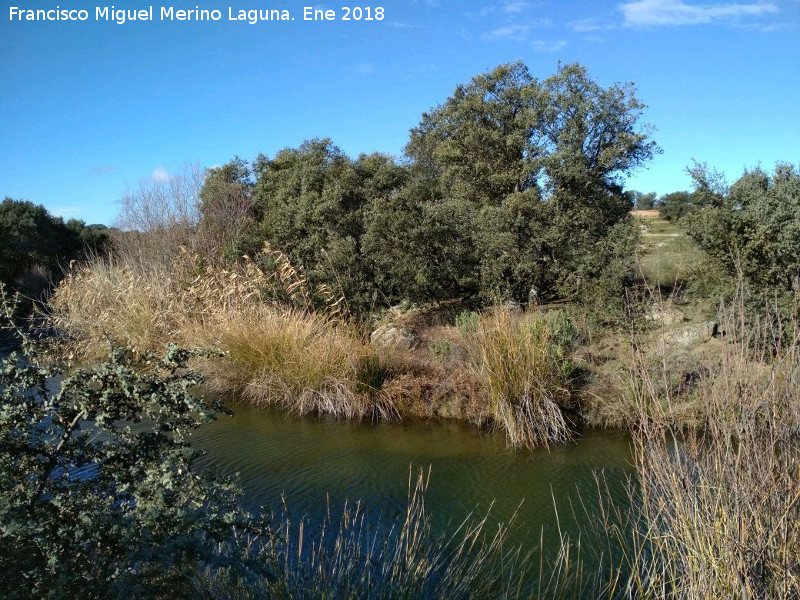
8,343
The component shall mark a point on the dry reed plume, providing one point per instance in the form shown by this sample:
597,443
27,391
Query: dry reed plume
277,349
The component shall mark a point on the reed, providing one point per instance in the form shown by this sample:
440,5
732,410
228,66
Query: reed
352,557
525,376
288,345
720,502
276,350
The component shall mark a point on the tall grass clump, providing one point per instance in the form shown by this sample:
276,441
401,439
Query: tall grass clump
107,301
523,365
720,502
298,361
278,349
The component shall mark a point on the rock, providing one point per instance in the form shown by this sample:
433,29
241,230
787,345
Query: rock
692,334
665,316
393,336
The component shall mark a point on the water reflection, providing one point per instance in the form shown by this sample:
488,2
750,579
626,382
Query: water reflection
315,462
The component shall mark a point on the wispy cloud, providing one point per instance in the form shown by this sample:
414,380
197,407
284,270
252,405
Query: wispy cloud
548,45
101,169
514,7
160,174
589,25
508,33
515,32
676,12
508,8
509,21
366,68
402,25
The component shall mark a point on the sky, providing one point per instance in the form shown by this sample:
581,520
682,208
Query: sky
89,108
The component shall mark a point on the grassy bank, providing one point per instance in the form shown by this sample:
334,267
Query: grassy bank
720,504
498,369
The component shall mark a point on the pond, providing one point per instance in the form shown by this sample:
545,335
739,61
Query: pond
317,464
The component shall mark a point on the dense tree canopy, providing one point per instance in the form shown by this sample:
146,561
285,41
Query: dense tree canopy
31,237
753,227
641,201
525,178
314,203
513,184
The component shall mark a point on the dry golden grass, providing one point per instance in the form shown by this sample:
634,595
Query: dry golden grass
720,503
275,353
524,375
505,370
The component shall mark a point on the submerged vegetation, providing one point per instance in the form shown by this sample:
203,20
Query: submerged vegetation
496,276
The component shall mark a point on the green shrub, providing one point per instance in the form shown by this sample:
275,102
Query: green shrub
98,495
466,321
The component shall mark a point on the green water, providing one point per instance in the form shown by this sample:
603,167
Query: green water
317,464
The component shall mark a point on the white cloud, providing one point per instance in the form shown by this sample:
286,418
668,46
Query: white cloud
677,12
510,33
588,25
160,174
513,7
366,68
548,46
515,32
401,25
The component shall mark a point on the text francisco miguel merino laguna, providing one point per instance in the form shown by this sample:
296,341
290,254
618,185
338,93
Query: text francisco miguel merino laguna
170,13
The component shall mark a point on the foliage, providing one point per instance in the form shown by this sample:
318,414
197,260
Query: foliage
753,228
30,237
228,216
675,205
524,364
466,321
313,203
98,493
709,189
420,247
509,185
641,201
519,179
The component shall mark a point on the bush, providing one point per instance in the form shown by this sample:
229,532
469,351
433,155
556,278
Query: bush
98,494
34,242
754,229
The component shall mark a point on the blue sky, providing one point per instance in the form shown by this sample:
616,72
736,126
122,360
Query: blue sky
89,108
